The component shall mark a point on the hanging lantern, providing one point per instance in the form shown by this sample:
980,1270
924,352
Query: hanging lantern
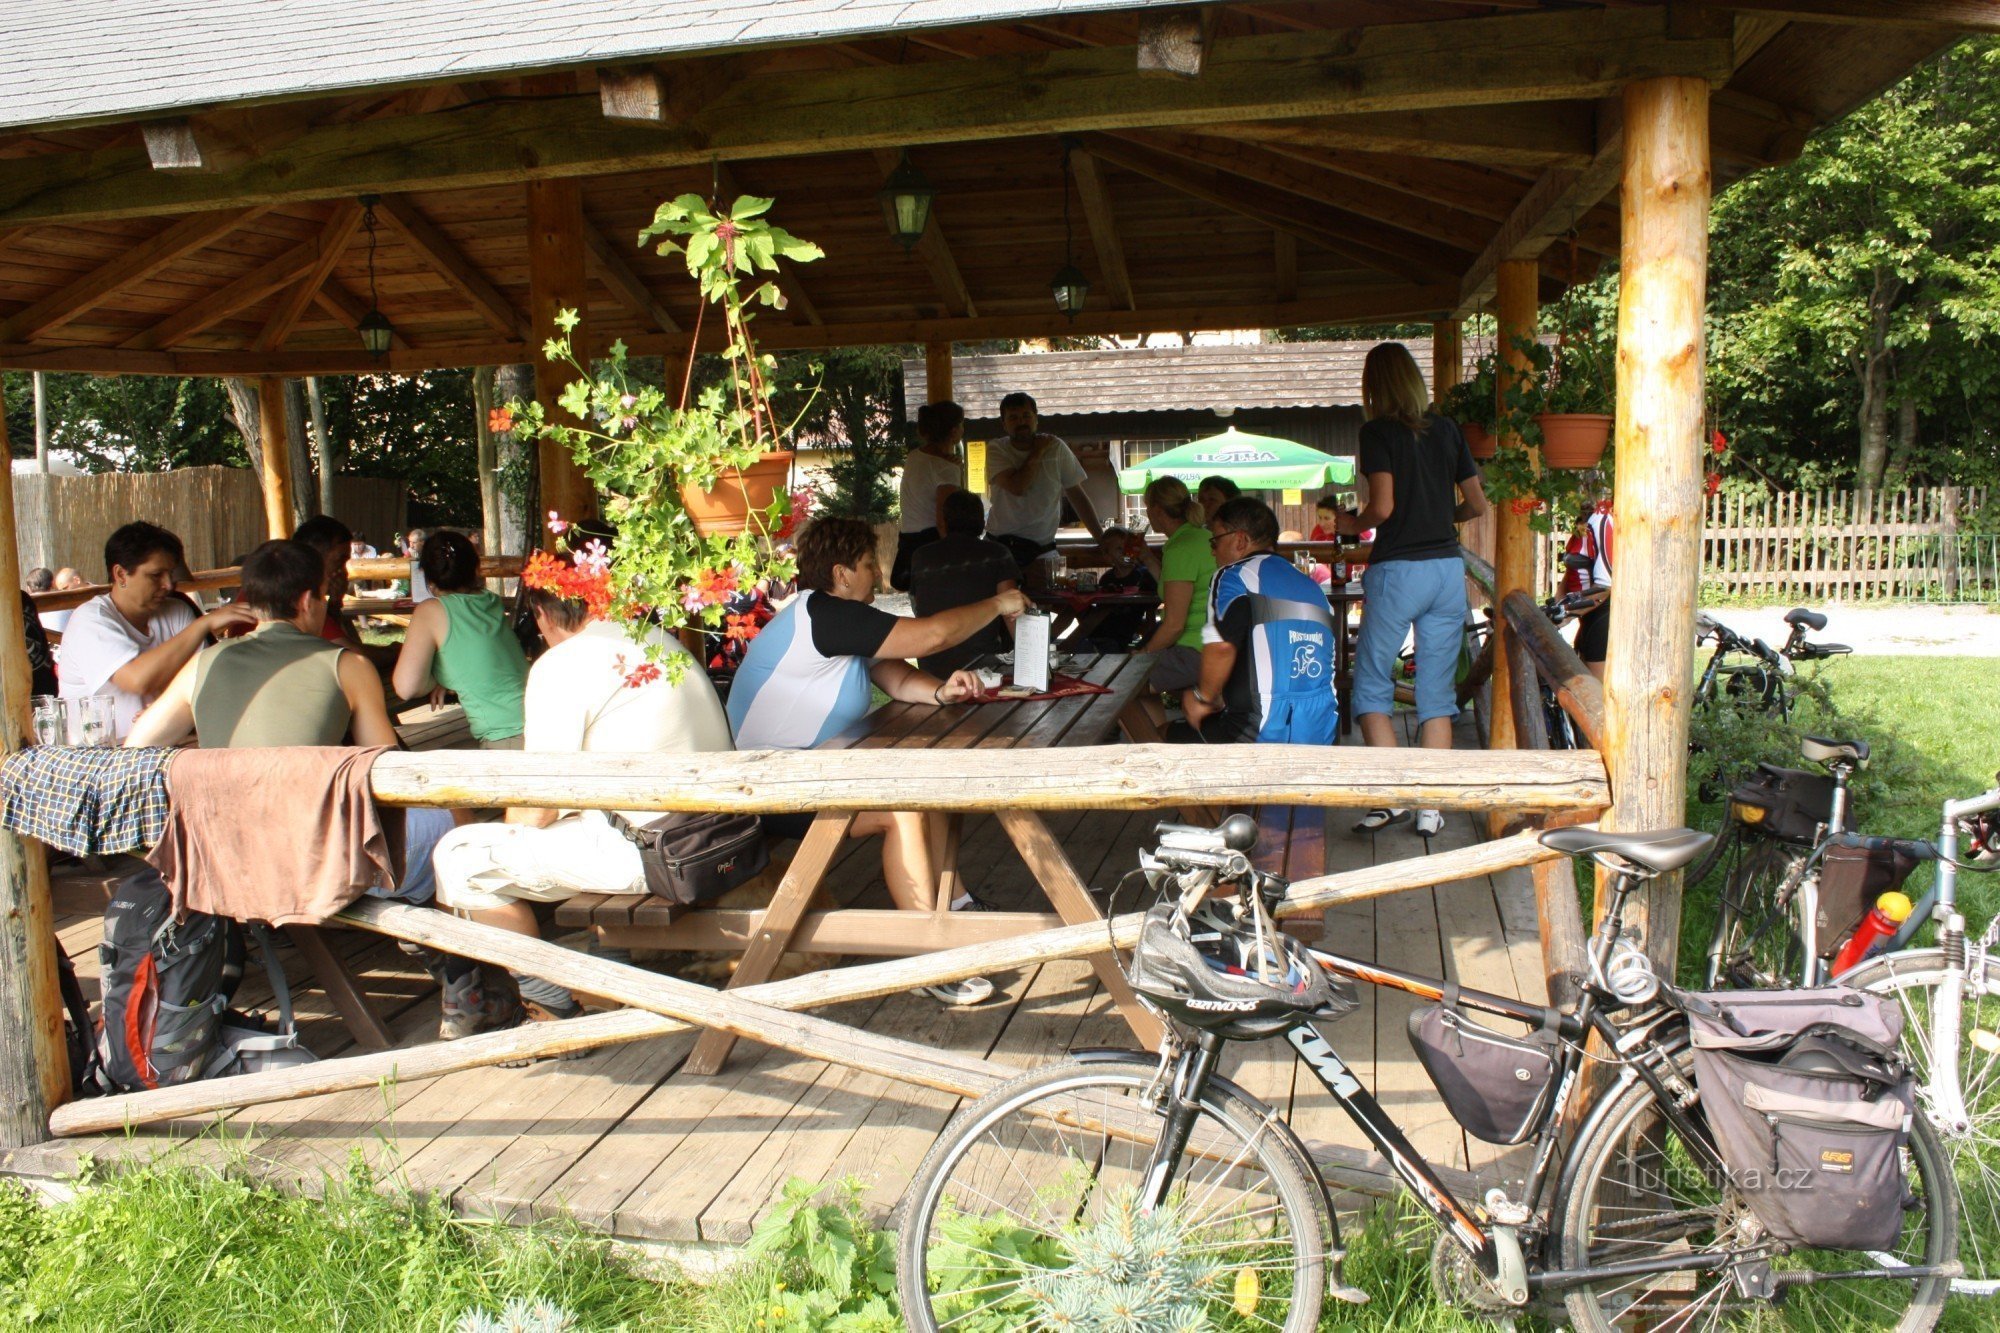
375,329
1070,288
906,197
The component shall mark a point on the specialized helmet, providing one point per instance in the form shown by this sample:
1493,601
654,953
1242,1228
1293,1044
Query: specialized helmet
1214,973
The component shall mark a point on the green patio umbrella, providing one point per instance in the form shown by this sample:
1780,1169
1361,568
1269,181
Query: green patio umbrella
1254,462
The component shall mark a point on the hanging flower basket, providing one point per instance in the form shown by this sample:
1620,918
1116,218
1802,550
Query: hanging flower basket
1573,441
725,510
1480,440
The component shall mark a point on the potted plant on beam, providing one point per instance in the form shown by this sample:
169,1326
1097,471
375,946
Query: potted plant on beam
1474,404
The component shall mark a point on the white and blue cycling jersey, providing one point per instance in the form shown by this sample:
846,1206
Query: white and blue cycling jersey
805,676
1282,686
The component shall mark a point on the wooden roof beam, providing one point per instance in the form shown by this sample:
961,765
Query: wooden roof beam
1519,58
935,253
611,268
134,266
1538,135
340,229
230,298
450,264
1172,42
1103,224
1549,210
1285,263
1966,15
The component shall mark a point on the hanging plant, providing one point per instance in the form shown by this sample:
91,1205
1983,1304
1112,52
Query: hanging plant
694,485
1549,497
1474,404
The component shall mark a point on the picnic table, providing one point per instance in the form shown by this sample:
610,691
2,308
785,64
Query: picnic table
793,922
1076,615
1341,598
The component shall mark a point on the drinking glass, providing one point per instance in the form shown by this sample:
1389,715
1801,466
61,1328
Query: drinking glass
51,720
93,721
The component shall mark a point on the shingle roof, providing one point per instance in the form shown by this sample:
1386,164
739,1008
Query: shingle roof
1163,379
68,61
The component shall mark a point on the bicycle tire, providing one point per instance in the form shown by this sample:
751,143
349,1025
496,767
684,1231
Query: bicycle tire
1265,1162
1755,942
1629,1146
1974,1150
1729,835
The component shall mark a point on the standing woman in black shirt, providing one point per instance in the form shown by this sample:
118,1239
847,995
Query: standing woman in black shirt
1422,482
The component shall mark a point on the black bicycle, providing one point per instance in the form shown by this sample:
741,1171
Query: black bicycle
1750,671
1155,1188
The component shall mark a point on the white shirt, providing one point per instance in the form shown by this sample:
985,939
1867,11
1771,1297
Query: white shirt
1036,512
923,473
99,642
577,701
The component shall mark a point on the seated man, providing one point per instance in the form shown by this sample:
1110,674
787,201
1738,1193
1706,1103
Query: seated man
129,643
1267,650
584,696
957,569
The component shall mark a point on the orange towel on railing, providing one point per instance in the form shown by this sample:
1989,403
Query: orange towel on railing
285,835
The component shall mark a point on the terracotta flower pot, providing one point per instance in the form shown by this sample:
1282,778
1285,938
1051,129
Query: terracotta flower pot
1573,440
1479,439
725,511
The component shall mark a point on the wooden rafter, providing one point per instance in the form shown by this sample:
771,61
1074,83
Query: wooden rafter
1097,211
135,265
612,269
230,298
1557,56
292,304
1967,15
449,263
1534,135
1547,211
935,253
1285,263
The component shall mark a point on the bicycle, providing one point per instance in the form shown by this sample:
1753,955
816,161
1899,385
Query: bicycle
1766,678
1111,1163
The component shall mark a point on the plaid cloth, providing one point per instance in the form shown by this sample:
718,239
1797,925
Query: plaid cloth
87,801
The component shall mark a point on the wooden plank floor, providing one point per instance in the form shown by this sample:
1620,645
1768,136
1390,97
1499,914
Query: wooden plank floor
623,1141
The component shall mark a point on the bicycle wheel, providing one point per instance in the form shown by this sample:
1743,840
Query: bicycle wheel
1025,1208
1727,837
1756,943
1634,1190
1913,977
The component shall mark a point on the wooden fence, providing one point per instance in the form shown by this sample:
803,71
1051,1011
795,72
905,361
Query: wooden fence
218,513
1853,545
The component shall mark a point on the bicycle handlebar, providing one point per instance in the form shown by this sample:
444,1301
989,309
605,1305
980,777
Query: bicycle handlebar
1917,849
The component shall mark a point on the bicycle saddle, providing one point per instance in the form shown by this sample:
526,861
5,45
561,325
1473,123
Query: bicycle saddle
1812,620
1661,852
1823,751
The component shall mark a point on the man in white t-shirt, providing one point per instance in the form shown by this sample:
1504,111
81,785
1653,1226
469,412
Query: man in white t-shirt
593,692
129,644
1028,474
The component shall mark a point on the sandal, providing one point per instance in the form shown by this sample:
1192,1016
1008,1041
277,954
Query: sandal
1430,823
1378,819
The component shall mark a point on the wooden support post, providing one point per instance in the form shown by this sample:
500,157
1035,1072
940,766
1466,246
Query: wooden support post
556,250
1447,357
1513,540
937,370
275,443
34,1063
1663,289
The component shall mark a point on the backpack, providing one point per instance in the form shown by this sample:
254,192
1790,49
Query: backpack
166,990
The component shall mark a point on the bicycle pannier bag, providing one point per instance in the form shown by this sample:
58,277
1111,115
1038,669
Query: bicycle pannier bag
1795,803
1494,1085
696,858
1810,1104
1850,880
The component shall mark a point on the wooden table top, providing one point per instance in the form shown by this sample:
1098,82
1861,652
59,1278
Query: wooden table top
1082,719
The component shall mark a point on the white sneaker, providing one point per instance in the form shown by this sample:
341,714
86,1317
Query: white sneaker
1430,823
959,994
1377,820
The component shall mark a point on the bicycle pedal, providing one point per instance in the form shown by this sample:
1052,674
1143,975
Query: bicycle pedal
1348,1295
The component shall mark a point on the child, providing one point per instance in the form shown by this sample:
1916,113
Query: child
1327,511
1123,573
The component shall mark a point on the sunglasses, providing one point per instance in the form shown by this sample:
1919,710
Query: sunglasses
1215,540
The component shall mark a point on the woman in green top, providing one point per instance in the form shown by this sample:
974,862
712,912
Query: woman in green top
1185,567
460,641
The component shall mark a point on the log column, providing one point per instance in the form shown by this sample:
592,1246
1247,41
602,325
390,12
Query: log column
34,1064
1663,266
275,443
937,370
1515,309
1447,358
556,282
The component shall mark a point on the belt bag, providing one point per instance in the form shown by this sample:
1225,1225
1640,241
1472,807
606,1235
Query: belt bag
696,858
1494,1085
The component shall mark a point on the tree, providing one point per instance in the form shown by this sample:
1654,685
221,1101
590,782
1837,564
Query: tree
130,423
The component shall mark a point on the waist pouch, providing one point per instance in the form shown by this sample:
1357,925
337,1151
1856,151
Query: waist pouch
1810,1107
698,857
1494,1085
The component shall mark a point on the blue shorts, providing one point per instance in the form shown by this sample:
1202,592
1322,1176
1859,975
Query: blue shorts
423,825
1429,597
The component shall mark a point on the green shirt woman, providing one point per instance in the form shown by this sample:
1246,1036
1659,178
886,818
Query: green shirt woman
459,640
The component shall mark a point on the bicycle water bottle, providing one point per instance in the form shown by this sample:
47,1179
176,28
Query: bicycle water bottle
1891,910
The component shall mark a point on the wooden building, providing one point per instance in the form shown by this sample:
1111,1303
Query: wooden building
185,187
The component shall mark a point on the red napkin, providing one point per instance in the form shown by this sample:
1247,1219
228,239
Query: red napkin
1060,687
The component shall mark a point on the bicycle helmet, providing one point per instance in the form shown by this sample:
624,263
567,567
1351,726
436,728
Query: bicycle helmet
1206,974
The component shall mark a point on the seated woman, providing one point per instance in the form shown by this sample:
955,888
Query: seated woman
460,640
1185,567
808,676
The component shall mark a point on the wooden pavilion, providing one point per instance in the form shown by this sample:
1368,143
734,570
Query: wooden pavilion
182,186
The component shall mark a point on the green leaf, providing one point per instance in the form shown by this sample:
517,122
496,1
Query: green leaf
750,206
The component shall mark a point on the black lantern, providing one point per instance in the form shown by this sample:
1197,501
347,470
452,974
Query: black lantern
906,197
1069,286
375,330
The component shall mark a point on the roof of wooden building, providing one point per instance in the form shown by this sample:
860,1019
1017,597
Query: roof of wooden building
178,192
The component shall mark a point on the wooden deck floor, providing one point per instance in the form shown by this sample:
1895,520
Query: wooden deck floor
623,1141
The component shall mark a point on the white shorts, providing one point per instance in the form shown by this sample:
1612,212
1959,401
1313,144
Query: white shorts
483,866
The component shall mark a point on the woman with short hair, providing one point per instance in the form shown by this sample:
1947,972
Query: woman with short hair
1185,567
931,471
460,640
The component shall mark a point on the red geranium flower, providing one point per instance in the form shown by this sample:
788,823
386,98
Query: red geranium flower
1712,483
1524,505
742,627
1718,444
643,674
500,421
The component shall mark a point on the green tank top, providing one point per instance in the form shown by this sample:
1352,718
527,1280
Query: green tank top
481,662
276,686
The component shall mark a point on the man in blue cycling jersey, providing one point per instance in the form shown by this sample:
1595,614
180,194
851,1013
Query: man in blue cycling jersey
1267,649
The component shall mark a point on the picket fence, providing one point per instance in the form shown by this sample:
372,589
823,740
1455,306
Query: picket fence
1851,545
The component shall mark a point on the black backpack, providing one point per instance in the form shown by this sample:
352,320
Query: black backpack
167,985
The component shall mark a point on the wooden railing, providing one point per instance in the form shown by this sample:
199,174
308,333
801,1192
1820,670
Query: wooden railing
373,569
